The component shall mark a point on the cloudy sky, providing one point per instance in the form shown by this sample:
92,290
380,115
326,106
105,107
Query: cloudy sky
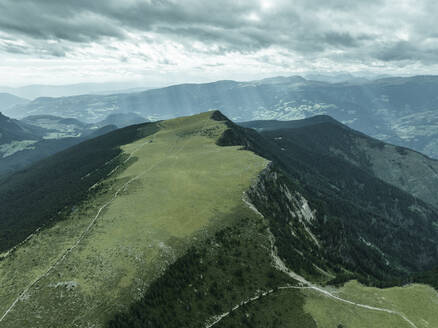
167,41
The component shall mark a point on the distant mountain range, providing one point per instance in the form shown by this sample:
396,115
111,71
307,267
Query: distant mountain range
37,90
402,111
8,100
199,222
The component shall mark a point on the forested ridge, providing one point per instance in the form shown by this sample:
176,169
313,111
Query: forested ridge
353,209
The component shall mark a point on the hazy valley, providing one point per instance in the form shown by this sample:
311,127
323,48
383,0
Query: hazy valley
399,110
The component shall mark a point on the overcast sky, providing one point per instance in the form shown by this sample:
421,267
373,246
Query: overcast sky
165,41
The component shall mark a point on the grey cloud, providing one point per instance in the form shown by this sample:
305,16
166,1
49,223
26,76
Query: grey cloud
342,39
361,29
13,49
407,51
36,22
34,49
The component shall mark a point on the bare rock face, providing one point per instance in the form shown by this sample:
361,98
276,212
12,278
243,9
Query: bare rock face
276,199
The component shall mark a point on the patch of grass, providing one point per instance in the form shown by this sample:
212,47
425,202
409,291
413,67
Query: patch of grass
417,302
29,261
182,186
330,313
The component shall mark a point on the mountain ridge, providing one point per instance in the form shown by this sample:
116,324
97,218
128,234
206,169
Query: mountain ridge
8,100
192,216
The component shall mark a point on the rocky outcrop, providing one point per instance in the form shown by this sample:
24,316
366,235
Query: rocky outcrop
291,220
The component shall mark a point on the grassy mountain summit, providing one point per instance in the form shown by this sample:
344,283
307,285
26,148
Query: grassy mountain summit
197,222
178,184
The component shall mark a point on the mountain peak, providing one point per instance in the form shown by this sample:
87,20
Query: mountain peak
218,116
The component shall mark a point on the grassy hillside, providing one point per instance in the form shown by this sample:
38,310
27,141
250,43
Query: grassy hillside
49,190
417,302
178,185
409,306
177,224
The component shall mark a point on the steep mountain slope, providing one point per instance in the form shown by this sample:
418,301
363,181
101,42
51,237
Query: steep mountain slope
402,111
406,169
185,223
33,197
370,234
379,217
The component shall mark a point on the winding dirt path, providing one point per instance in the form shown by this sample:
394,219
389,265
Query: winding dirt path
216,319
281,266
